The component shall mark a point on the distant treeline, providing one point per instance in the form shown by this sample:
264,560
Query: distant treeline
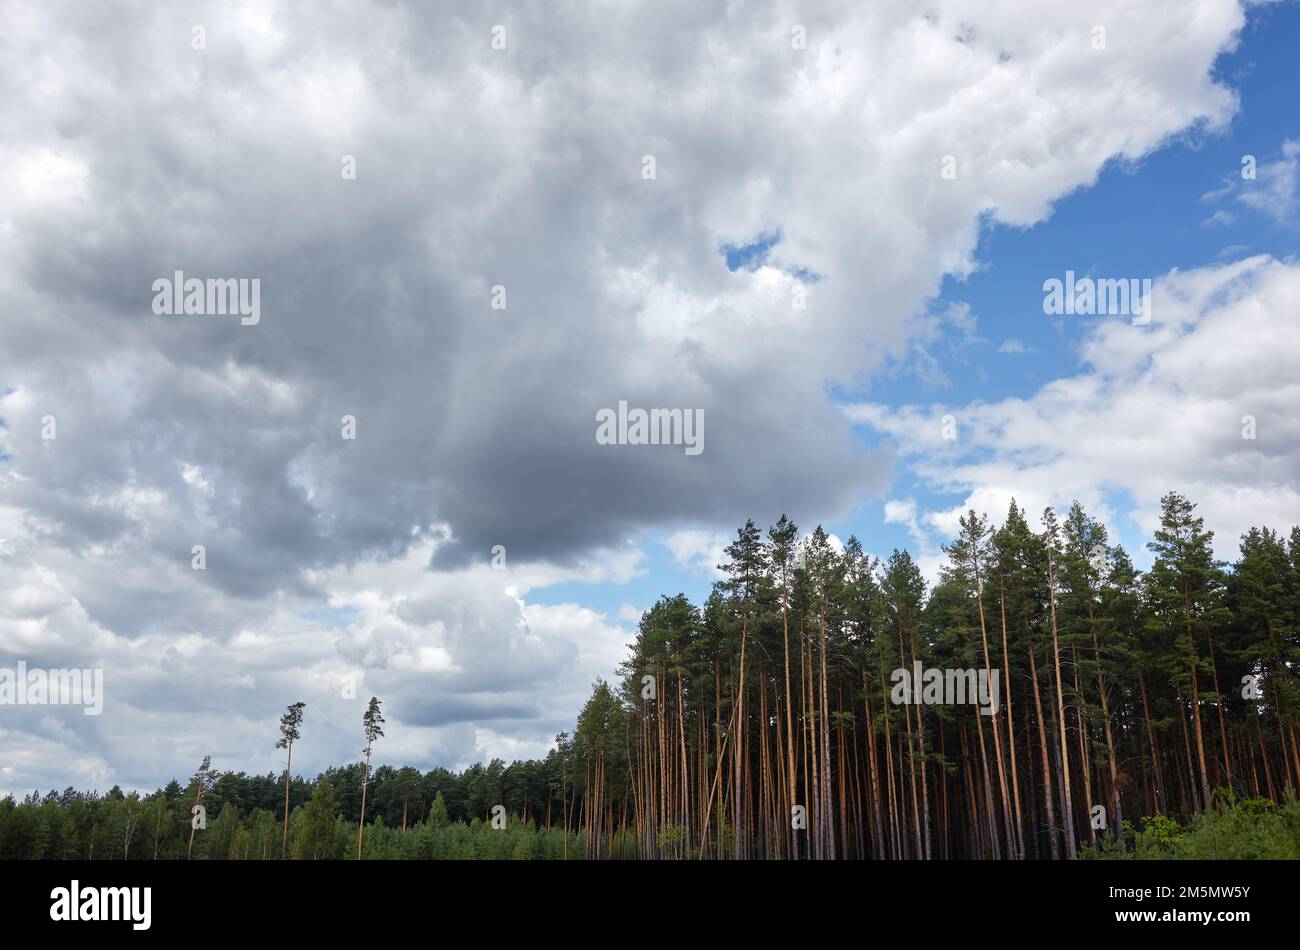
244,815
157,827
244,820
764,723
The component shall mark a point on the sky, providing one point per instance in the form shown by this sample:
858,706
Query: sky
827,233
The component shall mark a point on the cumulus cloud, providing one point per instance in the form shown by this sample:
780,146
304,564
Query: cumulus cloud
1202,401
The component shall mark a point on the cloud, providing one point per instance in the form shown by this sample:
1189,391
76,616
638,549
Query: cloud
904,512
455,656
1151,410
1274,191
700,551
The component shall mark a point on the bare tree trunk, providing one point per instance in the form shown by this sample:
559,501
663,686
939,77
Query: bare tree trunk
1047,768
365,781
288,770
1068,817
1011,722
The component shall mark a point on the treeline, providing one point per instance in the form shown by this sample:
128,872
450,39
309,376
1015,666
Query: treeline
770,729
764,723
443,814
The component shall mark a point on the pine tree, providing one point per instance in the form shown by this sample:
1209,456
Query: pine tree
781,551
289,734
316,834
204,780
372,721
1052,546
1182,587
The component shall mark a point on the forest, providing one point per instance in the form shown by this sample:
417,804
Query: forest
1142,714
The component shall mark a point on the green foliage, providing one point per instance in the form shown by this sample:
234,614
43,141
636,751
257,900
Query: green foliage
316,838
1251,830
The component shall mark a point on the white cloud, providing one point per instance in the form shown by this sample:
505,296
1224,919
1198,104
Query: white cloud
1153,410
904,512
1275,191
697,550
